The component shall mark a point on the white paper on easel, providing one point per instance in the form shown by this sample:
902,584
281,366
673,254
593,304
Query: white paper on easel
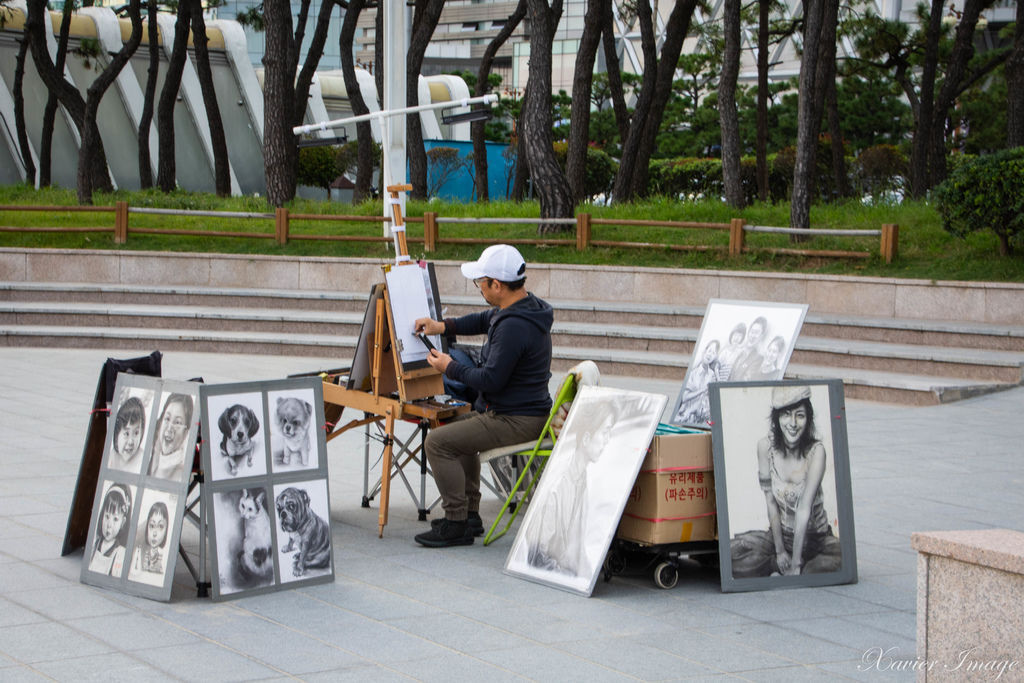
408,299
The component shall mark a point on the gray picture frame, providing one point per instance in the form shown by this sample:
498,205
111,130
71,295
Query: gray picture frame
145,489
249,551
575,510
727,351
743,443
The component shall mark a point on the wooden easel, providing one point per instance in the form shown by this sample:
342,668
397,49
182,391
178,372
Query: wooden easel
414,387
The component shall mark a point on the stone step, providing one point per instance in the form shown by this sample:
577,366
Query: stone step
970,335
965,363
866,384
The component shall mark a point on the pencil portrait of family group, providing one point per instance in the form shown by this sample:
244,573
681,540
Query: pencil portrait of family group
738,341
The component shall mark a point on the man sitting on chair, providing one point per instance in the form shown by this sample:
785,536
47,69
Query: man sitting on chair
512,403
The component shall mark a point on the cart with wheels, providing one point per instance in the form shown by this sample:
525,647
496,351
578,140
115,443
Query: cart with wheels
664,561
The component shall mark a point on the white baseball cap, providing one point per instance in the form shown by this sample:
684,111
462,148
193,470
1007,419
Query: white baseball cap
500,262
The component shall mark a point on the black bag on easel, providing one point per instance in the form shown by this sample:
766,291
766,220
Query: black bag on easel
89,470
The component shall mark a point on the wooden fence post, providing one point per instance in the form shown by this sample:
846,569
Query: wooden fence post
582,231
736,236
429,231
890,241
281,225
120,222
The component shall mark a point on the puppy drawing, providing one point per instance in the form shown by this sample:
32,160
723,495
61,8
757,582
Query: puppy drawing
238,424
293,416
309,536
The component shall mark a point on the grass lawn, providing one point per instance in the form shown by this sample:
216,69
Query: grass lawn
926,251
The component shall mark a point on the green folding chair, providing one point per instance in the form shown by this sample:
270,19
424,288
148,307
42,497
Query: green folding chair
531,451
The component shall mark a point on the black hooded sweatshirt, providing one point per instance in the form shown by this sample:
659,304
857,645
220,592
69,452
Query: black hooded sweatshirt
515,360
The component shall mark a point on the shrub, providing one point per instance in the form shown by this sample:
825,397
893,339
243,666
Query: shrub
880,170
598,169
316,167
985,192
685,178
780,175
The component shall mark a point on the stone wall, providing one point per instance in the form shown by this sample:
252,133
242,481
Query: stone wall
984,302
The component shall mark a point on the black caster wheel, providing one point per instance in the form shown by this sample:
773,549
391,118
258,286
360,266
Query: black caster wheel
666,575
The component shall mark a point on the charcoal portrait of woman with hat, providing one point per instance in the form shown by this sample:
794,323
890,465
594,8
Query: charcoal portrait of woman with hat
791,464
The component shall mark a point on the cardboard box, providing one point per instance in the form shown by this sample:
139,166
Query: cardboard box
673,499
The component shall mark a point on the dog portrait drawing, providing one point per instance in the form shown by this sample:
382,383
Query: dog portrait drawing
238,425
309,535
292,416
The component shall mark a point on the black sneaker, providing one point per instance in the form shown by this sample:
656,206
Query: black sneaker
474,524
447,533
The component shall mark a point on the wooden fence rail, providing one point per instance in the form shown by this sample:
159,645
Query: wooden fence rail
584,224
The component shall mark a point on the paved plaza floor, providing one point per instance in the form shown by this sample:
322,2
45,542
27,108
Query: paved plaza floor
397,611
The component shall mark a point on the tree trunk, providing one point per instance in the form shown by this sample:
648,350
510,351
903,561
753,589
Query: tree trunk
727,116
221,165
24,146
582,85
521,175
1015,84
167,174
476,129
549,182
623,188
92,171
656,88
50,110
91,174
955,72
921,145
808,124
425,18
611,58
364,131
835,131
279,103
825,91
677,28
761,146
146,119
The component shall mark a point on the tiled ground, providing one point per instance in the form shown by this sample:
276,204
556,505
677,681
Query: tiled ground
398,612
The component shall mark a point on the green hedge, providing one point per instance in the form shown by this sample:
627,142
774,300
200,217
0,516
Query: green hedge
985,193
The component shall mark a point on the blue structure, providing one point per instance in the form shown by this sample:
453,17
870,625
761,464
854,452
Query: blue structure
501,161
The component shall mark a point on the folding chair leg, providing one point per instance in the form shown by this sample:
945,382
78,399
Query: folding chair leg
511,506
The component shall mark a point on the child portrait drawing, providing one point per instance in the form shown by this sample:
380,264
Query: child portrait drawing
111,533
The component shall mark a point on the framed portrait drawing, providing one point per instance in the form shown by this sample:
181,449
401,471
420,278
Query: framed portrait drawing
738,341
265,447
141,495
573,514
782,482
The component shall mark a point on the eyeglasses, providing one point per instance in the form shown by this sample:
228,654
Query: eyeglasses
478,280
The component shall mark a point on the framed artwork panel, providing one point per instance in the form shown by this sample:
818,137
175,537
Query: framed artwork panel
269,522
151,486
737,341
412,293
781,456
573,514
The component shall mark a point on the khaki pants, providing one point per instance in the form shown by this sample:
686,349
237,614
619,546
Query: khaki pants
452,451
